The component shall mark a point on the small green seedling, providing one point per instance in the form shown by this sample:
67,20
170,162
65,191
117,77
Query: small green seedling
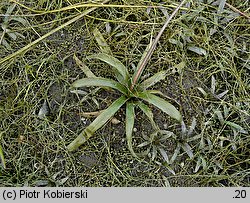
134,93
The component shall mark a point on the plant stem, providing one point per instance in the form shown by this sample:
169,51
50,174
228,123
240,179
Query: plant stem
152,48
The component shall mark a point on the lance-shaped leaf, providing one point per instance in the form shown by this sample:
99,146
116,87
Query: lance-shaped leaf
161,104
236,127
153,79
100,82
20,20
188,150
176,152
130,119
97,123
198,165
84,67
148,113
197,50
120,70
168,168
102,42
164,154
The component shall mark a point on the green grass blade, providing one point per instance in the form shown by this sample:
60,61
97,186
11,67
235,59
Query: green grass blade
161,104
97,123
120,70
102,42
84,67
153,79
130,119
100,82
148,113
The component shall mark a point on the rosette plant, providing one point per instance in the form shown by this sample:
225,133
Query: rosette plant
133,92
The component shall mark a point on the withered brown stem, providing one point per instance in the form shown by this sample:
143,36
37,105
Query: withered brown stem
153,46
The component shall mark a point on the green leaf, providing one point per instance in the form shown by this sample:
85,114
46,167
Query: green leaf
176,152
204,163
157,92
100,82
218,113
192,127
166,134
102,42
188,150
161,104
144,144
197,50
84,67
219,96
183,128
12,35
169,168
198,165
202,91
196,137
154,152
236,127
148,113
97,123
153,79
120,70
62,181
20,20
6,44
213,84
130,119
221,6
166,182
164,154
8,13
19,34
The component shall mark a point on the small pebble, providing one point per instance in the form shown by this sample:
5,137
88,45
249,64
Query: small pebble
84,121
21,139
115,121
